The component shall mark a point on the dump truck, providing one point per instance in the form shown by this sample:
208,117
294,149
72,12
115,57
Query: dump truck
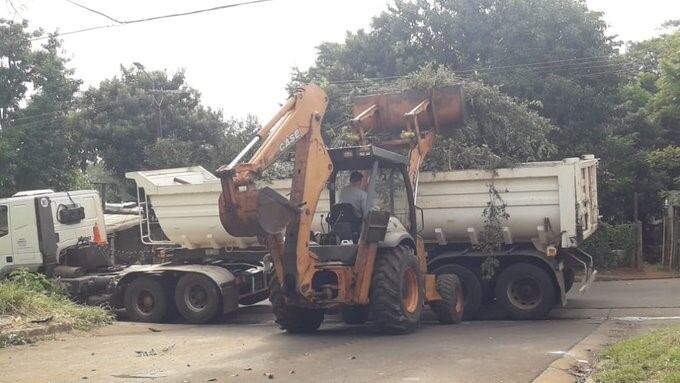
62,234
551,209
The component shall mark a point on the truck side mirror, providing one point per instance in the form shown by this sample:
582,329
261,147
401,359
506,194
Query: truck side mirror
420,220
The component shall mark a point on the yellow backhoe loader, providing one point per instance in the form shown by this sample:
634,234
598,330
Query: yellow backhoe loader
370,264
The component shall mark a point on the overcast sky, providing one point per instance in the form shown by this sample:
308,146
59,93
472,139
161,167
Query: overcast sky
241,58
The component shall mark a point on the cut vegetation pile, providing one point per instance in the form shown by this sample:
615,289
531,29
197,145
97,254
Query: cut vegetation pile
28,299
650,358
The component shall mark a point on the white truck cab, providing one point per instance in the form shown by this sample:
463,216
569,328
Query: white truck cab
38,227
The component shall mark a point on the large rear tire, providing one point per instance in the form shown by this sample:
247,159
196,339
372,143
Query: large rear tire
450,309
397,292
293,319
197,298
525,291
146,300
472,288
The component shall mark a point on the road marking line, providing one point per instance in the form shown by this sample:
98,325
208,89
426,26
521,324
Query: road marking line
640,319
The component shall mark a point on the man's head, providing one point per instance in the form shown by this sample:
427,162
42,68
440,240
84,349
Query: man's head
355,178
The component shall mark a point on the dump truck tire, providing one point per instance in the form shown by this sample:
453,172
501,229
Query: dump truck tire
397,291
293,319
525,291
197,298
146,300
450,309
472,288
355,314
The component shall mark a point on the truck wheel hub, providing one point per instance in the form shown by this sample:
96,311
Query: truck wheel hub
196,298
145,302
525,293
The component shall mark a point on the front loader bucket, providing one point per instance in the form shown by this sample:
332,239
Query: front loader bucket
254,212
387,115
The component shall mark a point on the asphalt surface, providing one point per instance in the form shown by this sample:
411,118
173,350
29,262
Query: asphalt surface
252,348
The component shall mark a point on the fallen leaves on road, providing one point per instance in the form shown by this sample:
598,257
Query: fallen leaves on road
153,352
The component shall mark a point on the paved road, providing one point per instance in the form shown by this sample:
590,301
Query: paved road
653,293
615,299
485,351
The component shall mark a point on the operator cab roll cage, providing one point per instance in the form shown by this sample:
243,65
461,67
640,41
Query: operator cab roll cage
372,159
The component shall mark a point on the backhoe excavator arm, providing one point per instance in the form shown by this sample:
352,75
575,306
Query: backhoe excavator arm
246,211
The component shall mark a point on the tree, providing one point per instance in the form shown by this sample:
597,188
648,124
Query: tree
495,41
41,148
120,120
641,156
498,130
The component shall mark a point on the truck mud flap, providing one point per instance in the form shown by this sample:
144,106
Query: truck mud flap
229,298
589,272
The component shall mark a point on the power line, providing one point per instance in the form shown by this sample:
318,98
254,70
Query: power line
579,61
393,85
142,20
95,11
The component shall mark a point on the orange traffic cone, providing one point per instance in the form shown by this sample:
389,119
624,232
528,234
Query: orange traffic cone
98,239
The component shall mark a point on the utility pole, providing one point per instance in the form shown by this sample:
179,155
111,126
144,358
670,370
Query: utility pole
158,98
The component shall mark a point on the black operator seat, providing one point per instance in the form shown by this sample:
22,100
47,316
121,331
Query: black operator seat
344,222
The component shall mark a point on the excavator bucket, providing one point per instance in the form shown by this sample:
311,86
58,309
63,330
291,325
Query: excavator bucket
255,212
389,116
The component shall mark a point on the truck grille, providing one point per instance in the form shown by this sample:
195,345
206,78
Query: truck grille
253,283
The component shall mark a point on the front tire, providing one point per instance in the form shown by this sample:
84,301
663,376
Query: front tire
146,300
525,291
449,310
397,292
293,319
197,298
472,288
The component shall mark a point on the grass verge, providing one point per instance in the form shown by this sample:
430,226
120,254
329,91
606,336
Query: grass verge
649,358
27,297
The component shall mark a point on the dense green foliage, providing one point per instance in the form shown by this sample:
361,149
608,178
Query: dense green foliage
612,245
124,126
551,57
53,137
28,296
38,143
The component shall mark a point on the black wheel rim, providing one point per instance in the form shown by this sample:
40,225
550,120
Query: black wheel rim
525,293
145,302
196,298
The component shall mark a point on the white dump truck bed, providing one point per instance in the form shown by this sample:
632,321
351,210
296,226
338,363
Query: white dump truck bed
551,202
184,201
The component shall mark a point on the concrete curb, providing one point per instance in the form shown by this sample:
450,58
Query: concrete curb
581,353
29,333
